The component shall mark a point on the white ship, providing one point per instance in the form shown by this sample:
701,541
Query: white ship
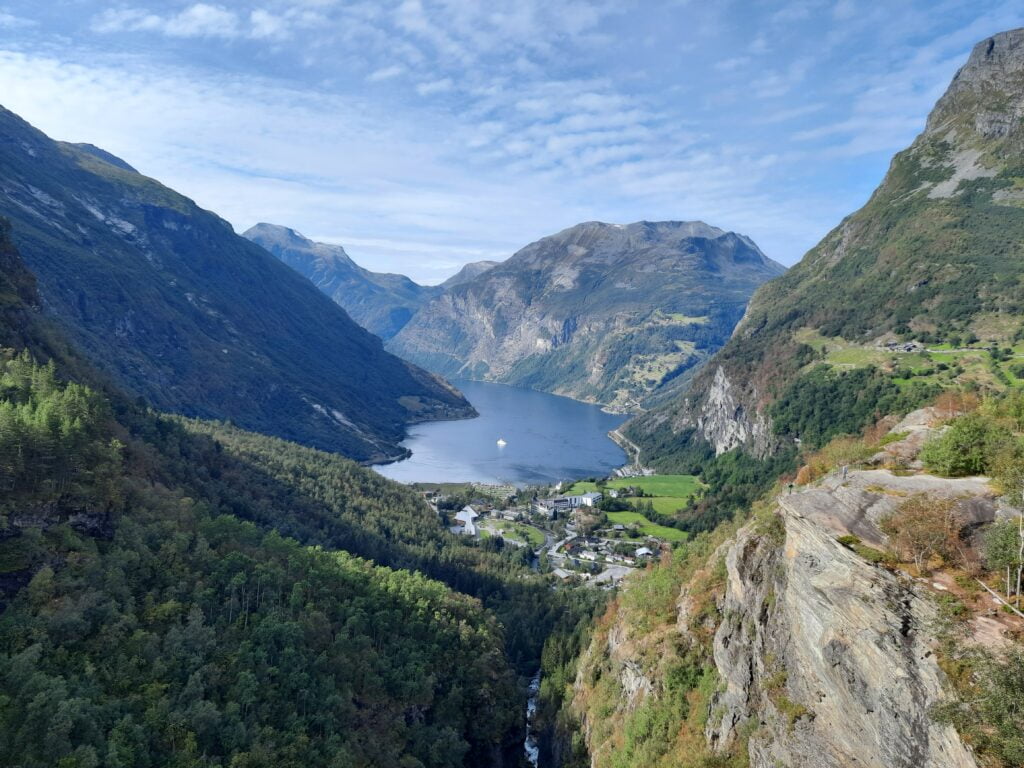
501,443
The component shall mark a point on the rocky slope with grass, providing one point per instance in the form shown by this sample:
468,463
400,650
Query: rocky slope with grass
618,315
178,309
933,257
803,637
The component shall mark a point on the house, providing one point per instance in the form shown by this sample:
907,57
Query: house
588,555
507,514
575,502
643,552
465,521
545,507
562,574
618,527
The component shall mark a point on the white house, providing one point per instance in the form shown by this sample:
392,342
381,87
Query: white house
574,502
643,552
465,520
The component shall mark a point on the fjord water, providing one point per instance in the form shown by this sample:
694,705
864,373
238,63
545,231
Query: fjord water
548,438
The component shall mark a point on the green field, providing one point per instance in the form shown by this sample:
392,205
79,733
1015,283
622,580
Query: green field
675,487
647,528
665,505
520,532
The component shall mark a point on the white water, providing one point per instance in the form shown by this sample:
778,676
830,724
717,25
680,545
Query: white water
530,743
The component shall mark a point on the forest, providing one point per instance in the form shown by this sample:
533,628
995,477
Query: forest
165,620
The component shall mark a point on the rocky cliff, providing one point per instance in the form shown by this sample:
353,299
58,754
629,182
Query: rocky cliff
601,312
935,255
776,644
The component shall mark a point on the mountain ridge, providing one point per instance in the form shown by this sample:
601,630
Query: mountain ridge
380,302
177,308
601,312
932,257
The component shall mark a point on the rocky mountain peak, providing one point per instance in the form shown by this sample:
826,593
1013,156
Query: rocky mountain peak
986,93
274,237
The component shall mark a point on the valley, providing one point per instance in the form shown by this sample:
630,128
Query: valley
636,496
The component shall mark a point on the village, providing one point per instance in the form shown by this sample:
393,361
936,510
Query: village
583,533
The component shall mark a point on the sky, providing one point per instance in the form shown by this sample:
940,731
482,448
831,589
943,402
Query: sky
422,134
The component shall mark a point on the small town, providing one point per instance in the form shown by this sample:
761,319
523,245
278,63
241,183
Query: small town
584,533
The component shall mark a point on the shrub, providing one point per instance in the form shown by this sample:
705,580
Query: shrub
968,447
923,528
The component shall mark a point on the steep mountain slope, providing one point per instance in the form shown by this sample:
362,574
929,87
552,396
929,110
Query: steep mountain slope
180,310
469,272
935,255
601,312
381,303
142,622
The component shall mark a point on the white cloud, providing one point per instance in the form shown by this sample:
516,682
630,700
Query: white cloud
730,65
385,73
545,113
10,21
198,20
266,25
443,85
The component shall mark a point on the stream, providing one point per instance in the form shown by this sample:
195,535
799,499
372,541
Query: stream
530,742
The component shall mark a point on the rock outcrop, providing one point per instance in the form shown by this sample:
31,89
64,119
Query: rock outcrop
821,658
829,655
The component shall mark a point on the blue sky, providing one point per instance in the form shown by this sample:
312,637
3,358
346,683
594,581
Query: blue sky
422,134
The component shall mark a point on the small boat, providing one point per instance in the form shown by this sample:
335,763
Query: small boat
501,443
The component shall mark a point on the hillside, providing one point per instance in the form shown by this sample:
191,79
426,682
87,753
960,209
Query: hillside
178,309
823,631
178,592
600,312
381,303
920,287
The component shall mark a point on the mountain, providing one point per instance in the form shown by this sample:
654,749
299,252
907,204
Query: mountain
381,303
180,310
469,272
921,287
600,312
153,564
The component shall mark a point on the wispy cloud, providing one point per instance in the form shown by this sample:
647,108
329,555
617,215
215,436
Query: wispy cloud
385,73
10,21
443,85
199,20
422,133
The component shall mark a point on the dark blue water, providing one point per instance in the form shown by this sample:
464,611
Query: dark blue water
549,438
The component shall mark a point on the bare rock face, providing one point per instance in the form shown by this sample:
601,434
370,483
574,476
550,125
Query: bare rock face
381,303
987,87
830,655
727,421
